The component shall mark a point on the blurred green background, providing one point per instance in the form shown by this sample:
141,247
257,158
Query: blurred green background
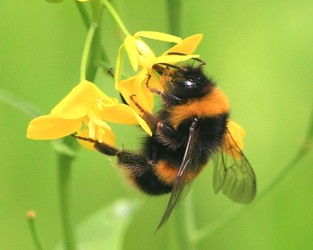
260,53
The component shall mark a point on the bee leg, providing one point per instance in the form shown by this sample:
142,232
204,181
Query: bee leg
139,171
168,136
150,119
160,69
167,97
100,146
202,63
106,149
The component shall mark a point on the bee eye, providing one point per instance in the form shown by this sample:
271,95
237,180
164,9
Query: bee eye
188,83
184,83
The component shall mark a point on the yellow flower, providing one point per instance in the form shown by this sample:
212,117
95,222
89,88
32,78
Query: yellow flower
234,139
139,52
141,55
85,110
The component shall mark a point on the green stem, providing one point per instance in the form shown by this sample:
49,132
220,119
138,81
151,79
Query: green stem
31,216
273,183
172,235
116,17
83,12
65,194
174,10
176,240
190,223
86,51
94,54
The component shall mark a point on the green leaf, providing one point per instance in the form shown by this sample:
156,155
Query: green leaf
54,1
106,228
32,111
19,104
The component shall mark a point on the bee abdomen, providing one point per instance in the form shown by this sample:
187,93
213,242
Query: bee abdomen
140,171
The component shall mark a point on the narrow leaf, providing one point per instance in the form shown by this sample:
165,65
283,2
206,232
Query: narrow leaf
19,104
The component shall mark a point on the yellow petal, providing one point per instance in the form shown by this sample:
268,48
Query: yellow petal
187,46
172,59
118,66
49,127
120,113
130,47
129,117
144,125
144,96
77,103
133,86
109,138
126,88
130,87
156,83
143,49
159,36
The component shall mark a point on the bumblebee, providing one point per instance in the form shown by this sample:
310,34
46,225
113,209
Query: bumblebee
188,131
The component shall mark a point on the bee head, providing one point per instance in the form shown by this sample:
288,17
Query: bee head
185,82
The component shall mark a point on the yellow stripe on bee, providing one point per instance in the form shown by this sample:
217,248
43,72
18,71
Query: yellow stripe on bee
215,103
168,173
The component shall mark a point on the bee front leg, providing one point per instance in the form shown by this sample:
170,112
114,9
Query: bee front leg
167,97
168,136
150,119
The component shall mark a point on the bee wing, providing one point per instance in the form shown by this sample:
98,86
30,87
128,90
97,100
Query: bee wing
233,173
182,176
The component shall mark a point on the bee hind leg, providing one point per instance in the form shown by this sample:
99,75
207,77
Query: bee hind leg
100,146
139,171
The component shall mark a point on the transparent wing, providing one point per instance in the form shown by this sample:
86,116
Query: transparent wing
188,162
233,174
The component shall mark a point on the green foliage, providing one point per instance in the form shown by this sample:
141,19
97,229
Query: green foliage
105,229
259,52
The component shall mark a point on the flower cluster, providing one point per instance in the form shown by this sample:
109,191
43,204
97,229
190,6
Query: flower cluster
141,56
86,110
